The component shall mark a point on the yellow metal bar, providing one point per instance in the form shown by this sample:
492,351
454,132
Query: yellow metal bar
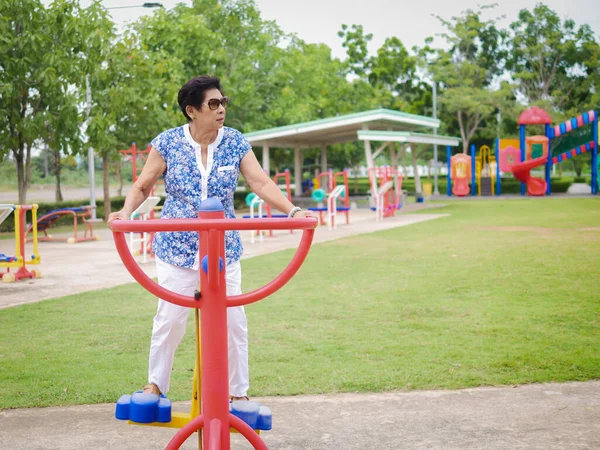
197,382
178,420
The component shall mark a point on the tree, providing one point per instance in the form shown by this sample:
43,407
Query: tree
467,69
355,43
553,61
22,71
60,95
130,90
41,77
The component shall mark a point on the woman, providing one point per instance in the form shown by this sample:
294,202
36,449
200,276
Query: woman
200,159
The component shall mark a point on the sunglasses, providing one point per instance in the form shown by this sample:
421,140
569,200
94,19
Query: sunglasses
214,103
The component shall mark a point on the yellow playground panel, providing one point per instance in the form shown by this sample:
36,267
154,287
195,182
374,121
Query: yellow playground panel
485,167
505,143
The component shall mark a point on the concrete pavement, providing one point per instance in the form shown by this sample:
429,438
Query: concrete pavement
543,416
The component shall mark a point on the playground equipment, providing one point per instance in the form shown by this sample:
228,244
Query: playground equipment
522,172
19,261
585,129
560,142
254,201
485,171
334,193
386,191
85,213
567,140
212,413
144,212
460,168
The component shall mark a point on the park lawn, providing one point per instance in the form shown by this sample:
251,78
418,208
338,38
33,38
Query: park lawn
499,293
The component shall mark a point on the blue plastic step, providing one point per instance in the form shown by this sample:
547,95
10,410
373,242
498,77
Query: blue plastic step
257,416
148,408
143,408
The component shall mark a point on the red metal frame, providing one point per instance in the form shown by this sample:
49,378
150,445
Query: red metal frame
286,176
392,199
132,154
329,175
215,419
84,213
346,198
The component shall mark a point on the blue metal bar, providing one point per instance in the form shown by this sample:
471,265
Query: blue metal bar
595,156
448,179
498,166
522,143
472,169
549,163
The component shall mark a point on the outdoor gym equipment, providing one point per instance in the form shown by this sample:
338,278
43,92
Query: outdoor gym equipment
19,261
386,191
144,212
85,213
212,413
334,193
254,201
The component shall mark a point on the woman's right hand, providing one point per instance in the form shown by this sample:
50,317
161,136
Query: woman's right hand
118,215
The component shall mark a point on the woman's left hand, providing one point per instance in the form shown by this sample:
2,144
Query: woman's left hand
304,214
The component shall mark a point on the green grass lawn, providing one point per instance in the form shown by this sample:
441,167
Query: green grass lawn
500,293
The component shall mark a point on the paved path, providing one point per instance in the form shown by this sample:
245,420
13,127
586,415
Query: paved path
85,266
543,416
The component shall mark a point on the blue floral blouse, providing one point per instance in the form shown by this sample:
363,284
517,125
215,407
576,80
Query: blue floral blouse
188,183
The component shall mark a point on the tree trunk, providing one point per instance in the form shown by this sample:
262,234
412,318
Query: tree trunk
28,167
413,158
46,172
404,163
105,185
57,170
119,177
463,132
18,154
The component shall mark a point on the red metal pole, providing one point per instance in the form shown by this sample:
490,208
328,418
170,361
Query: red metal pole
134,161
213,327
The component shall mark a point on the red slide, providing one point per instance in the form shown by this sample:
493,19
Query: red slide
535,186
461,187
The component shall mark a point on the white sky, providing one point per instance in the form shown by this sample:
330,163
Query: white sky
410,21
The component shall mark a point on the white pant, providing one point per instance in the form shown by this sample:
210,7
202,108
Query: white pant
170,324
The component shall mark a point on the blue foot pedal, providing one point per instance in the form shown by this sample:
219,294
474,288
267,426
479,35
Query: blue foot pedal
143,408
265,419
122,411
256,416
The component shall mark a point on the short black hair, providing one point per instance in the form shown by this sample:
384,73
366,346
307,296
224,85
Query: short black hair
192,92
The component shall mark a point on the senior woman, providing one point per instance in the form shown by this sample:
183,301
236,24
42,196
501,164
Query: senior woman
198,160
